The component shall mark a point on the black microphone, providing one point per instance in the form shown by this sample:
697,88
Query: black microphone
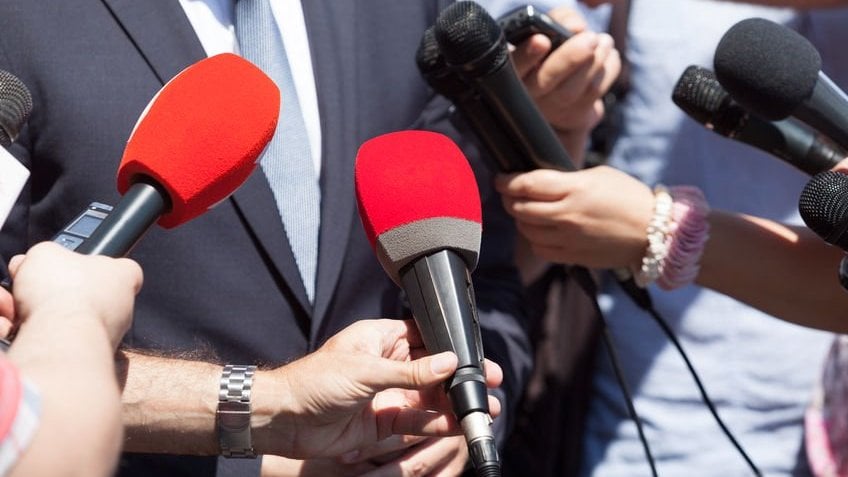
699,94
775,72
15,107
824,207
474,46
502,153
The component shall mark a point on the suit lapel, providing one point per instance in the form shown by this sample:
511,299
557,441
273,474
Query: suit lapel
331,28
163,35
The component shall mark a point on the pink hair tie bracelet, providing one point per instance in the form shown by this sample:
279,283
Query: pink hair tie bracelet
687,237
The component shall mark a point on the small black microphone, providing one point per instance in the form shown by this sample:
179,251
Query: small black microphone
775,72
474,46
699,94
502,153
15,107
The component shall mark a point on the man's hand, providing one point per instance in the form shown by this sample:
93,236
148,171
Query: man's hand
366,383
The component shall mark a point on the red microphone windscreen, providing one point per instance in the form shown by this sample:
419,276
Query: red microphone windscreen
417,195
202,134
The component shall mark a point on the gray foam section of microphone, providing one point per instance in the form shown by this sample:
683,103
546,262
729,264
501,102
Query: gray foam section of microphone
767,67
402,245
15,107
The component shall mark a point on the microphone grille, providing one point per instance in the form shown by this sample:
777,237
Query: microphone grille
467,34
433,68
766,67
699,94
428,57
15,106
824,207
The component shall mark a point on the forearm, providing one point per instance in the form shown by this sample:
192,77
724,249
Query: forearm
169,406
787,272
70,363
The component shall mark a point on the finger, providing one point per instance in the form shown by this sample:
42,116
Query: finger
132,273
569,18
7,305
529,54
842,166
5,326
574,54
534,212
579,86
494,373
405,330
541,184
418,422
425,459
384,450
418,374
494,406
15,264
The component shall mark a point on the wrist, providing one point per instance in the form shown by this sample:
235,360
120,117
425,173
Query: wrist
273,410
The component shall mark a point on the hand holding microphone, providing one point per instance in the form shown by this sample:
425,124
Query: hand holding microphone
474,47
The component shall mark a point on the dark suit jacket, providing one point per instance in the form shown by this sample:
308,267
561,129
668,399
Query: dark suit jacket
226,283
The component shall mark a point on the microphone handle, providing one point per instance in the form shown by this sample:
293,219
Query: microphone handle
441,297
826,110
792,142
503,91
502,152
139,208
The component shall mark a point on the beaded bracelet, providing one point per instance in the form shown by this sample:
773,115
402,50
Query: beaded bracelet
689,233
659,230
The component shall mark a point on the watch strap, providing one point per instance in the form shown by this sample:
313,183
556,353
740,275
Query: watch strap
233,414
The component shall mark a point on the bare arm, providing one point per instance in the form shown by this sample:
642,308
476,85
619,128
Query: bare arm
598,218
350,393
786,271
73,310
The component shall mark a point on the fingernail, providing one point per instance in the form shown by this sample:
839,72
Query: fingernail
443,363
591,39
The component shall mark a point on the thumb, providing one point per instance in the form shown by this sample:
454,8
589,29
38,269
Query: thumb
417,374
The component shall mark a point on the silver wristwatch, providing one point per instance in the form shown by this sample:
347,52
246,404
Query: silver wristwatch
233,415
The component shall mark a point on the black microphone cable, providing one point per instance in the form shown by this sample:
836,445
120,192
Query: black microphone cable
664,326
589,287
